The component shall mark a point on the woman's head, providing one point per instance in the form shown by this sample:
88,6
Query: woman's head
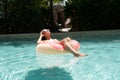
46,33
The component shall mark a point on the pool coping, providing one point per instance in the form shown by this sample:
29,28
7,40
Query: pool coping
81,33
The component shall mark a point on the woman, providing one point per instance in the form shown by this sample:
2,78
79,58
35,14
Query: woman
46,34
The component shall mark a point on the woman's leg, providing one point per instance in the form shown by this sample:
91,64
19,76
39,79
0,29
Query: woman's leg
68,46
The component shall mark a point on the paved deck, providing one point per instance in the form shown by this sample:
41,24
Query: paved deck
82,33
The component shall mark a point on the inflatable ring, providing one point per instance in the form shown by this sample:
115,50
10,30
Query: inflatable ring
48,47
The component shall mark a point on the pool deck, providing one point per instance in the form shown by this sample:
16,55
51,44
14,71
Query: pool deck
82,33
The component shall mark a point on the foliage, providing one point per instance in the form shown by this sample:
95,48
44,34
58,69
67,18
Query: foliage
30,16
95,14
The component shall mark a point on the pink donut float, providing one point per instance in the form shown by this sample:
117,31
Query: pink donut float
53,47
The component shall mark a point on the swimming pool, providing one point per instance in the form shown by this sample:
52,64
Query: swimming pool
19,61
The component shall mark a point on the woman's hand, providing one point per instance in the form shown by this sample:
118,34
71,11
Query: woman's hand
42,33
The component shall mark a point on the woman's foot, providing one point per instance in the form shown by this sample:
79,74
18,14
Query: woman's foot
83,55
80,55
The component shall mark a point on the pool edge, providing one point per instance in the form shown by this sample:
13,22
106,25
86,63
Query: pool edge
82,33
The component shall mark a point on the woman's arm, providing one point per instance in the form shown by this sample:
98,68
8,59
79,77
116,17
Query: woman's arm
40,38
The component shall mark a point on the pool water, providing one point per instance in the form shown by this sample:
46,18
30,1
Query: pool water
19,61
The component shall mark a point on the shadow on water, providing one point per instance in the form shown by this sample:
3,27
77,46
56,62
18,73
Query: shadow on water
48,74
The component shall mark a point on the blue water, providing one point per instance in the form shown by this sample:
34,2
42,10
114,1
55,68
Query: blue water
19,61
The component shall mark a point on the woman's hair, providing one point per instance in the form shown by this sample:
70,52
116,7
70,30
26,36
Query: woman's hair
44,38
45,30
